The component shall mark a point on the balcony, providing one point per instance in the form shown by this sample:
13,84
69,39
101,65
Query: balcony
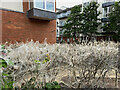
63,15
107,4
105,20
41,14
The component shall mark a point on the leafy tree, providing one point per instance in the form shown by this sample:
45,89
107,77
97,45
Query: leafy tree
73,24
91,19
114,22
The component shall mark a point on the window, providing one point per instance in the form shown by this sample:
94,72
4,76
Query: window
68,40
45,4
105,12
110,8
50,5
40,4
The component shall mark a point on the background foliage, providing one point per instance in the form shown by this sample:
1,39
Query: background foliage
113,25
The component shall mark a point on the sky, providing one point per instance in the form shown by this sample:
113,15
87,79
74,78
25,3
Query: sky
67,3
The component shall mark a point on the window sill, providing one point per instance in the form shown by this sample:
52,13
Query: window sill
11,10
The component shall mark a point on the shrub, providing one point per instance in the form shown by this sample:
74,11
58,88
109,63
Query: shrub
85,65
6,80
52,86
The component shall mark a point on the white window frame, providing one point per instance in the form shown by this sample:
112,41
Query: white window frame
45,6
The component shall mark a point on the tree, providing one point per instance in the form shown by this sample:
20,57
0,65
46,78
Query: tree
85,23
91,21
73,24
113,26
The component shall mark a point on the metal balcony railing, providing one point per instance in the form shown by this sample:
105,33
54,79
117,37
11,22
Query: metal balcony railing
107,4
62,15
105,20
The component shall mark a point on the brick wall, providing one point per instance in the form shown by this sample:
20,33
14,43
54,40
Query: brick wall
17,27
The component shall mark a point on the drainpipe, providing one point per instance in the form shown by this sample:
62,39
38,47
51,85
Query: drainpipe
119,58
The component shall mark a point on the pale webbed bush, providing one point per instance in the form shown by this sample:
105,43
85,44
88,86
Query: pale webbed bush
85,65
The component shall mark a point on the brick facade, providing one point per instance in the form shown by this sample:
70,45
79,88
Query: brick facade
17,27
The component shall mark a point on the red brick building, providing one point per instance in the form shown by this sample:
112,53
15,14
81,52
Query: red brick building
33,20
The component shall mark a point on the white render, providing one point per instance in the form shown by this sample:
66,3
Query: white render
16,5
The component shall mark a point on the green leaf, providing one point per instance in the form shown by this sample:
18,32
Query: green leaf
57,86
49,85
0,65
36,61
4,74
55,82
3,63
3,46
5,86
10,84
47,59
44,61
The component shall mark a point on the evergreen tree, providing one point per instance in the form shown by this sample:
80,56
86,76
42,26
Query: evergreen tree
85,23
73,24
91,20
